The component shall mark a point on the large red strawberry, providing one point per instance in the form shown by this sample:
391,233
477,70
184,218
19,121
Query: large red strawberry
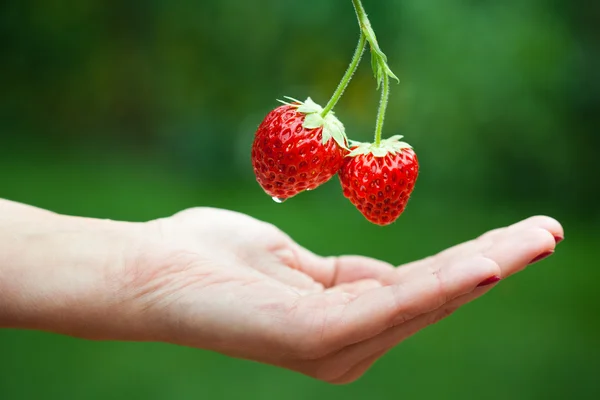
297,149
379,179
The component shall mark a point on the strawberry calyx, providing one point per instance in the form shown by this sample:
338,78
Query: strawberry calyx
332,126
384,147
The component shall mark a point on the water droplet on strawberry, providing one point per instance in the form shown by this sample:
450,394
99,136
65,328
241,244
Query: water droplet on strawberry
278,200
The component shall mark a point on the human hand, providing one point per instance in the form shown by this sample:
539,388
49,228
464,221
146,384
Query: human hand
225,282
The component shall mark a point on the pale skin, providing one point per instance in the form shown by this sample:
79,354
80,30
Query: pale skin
225,282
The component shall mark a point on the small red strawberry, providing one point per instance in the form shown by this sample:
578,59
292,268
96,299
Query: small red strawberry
379,179
296,149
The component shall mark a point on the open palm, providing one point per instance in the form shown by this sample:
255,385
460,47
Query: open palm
225,282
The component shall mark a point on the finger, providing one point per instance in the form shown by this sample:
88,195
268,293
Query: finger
519,250
512,251
349,365
281,267
539,221
487,240
379,309
354,360
366,325
542,222
331,271
363,358
511,255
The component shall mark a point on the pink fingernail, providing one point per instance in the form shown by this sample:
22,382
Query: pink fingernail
558,239
541,257
489,281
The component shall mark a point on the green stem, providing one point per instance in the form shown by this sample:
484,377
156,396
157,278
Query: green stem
361,14
382,71
385,95
358,53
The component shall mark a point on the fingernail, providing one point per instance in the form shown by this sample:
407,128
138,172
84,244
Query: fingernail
541,256
489,281
558,239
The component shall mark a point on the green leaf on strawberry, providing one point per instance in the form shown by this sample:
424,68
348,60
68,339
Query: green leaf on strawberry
332,126
391,145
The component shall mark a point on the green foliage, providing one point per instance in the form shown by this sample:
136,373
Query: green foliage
138,109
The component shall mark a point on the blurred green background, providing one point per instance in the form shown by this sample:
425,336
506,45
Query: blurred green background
138,109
